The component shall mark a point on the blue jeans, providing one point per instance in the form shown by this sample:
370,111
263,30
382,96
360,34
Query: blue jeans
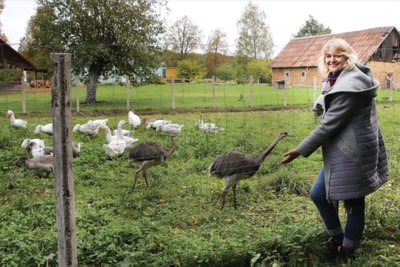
329,213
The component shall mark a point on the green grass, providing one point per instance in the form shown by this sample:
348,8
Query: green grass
177,221
187,96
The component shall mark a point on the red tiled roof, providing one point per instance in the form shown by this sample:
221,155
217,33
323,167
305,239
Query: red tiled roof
304,52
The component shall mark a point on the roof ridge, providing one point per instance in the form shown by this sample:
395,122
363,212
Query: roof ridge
323,35
304,52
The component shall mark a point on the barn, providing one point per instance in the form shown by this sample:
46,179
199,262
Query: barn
9,57
379,48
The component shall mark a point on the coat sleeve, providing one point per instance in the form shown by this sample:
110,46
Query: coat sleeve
341,108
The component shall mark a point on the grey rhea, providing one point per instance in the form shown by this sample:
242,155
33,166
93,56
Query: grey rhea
236,166
149,154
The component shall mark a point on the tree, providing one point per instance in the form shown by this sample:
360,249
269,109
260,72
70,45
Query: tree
312,28
260,71
41,38
191,68
2,35
183,37
226,72
217,48
104,37
255,40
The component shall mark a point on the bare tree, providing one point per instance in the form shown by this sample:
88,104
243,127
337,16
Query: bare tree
217,48
255,40
183,37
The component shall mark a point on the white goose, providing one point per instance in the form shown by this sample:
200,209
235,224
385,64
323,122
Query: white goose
36,147
124,132
134,119
38,151
109,137
153,124
100,122
116,147
16,123
170,128
26,142
76,149
129,140
47,129
208,127
88,128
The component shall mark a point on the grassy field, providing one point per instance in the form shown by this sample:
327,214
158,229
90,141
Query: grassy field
177,221
197,96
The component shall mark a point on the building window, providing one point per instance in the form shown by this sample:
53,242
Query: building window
303,74
287,74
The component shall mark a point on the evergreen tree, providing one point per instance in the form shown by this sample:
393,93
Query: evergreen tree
312,28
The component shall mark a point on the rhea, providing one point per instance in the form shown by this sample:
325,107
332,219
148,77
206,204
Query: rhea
236,166
149,154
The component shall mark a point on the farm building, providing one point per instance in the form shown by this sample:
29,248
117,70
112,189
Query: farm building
379,48
168,72
9,57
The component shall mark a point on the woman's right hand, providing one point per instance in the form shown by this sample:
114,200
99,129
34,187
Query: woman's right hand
289,156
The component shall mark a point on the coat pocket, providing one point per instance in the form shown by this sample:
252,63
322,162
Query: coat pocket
347,143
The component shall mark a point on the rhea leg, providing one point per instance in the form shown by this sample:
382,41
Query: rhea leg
145,177
224,197
229,183
140,170
135,178
234,197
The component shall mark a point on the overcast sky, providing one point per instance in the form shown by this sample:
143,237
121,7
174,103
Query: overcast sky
284,17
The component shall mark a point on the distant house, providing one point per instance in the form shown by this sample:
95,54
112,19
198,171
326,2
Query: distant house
169,73
379,48
9,57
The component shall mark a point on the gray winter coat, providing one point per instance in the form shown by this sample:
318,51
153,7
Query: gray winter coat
355,160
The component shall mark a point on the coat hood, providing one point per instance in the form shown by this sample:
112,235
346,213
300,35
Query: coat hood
356,80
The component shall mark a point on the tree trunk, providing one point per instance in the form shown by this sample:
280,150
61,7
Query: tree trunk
91,86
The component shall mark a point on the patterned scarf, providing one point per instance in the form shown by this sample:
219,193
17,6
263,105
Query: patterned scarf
332,77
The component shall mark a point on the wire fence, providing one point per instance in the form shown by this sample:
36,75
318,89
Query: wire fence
169,97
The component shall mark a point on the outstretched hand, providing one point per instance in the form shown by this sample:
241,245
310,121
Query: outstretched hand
289,156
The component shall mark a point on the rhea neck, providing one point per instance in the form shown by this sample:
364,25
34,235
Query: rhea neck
172,149
268,150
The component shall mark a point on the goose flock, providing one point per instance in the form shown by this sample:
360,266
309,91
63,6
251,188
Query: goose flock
119,140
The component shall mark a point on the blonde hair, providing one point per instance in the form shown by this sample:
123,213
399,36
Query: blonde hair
341,47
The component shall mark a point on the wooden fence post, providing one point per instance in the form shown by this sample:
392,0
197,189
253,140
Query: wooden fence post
213,92
23,96
285,94
65,205
78,87
173,92
251,91
391,89
127,86
315,88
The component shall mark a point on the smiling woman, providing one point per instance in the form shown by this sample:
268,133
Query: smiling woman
351,168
